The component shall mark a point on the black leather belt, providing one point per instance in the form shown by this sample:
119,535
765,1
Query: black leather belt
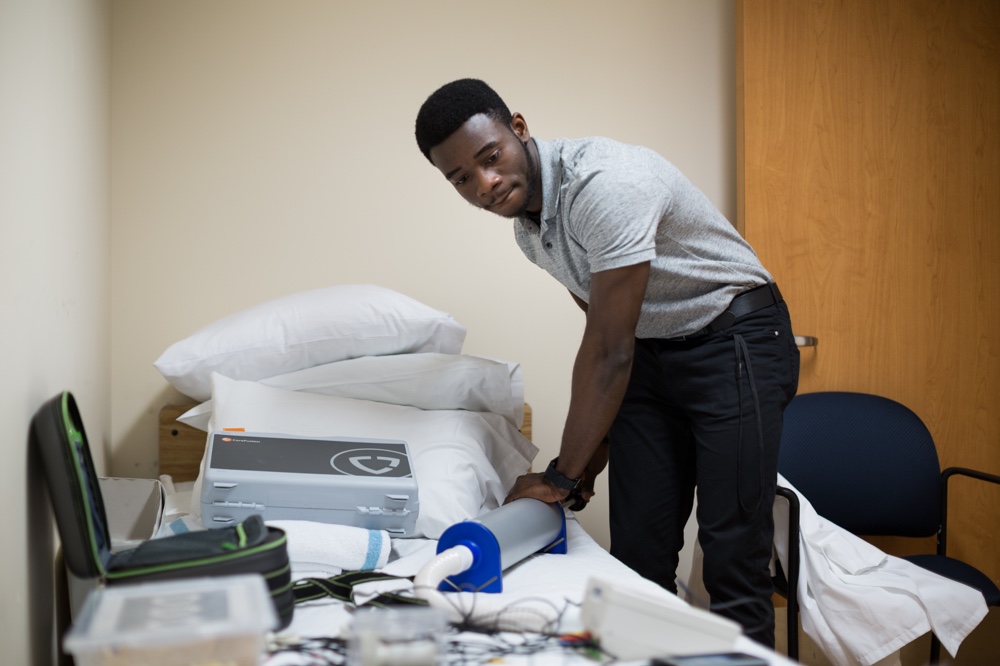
743,304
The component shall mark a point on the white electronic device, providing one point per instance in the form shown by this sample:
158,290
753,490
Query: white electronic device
358,482
645,623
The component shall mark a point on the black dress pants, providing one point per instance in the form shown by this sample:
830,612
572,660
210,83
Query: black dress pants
704,416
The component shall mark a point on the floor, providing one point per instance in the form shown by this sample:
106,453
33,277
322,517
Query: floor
980,648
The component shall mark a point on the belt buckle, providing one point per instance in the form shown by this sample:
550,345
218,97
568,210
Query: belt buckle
697,335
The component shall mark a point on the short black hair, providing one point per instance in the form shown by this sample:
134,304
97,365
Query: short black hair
451,105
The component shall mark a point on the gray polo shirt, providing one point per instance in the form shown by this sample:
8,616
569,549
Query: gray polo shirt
608,205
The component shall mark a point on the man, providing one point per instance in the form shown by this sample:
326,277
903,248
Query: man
687,358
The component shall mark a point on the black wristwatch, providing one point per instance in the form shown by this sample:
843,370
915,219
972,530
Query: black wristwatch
557,479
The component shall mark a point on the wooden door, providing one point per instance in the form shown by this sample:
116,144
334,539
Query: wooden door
869,182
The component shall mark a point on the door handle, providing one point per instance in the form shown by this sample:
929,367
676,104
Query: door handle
806,341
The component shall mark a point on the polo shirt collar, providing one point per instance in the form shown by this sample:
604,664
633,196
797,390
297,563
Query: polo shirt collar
550,164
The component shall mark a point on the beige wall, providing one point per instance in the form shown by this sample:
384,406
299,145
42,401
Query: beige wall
263,148
54,276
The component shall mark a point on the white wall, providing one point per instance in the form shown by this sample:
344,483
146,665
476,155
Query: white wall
54,277
262,148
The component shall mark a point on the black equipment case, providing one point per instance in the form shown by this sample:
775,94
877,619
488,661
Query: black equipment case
248,547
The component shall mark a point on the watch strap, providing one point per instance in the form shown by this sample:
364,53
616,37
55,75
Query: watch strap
557,479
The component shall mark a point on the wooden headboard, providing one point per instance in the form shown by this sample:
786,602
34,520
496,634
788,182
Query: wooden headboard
181,447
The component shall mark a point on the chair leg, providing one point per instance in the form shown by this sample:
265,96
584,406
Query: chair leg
792,625
792,577
935,649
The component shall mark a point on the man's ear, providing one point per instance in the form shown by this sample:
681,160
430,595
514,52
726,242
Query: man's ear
520,127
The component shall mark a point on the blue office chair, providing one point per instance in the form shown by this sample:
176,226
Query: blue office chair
869,464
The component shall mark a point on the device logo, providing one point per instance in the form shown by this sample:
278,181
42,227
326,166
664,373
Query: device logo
371,462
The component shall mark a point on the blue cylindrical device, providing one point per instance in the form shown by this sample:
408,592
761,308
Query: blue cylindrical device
502,538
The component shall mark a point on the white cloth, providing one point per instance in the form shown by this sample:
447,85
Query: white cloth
177,500
549,580
859,604
319,550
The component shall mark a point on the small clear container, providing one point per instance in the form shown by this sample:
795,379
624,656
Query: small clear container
397,637
217,620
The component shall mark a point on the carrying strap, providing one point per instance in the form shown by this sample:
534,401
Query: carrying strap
341,588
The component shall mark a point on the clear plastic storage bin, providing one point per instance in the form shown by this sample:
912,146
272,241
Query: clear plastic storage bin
218,620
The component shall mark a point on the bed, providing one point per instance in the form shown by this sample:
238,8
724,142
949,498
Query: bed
555,581
364,361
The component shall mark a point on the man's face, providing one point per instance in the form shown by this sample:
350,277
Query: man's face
491,165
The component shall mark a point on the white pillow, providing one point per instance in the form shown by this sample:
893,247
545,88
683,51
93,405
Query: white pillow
305,329
464,462
427,381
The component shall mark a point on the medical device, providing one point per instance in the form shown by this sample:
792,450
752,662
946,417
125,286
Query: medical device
367,483
472,555
397,636
632,623
502,538
627,621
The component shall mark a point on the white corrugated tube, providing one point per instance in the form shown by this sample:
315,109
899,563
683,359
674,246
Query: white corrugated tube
479,609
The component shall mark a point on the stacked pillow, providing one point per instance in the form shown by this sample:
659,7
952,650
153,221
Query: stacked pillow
363,361
429,380
307,329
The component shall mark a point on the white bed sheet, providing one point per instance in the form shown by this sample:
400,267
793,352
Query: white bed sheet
557,580
550,580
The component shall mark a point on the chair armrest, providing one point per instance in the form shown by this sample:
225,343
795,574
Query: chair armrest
942,542
975,474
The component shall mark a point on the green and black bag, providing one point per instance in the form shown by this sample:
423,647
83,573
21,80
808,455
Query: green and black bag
249,547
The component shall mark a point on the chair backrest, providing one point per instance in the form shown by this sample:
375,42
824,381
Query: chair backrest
863,461
57,432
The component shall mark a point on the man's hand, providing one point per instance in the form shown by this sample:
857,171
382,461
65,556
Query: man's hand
537,486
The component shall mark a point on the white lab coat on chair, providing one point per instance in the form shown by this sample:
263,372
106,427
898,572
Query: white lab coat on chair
861,605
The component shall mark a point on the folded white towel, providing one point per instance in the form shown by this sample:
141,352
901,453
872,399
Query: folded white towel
326,548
